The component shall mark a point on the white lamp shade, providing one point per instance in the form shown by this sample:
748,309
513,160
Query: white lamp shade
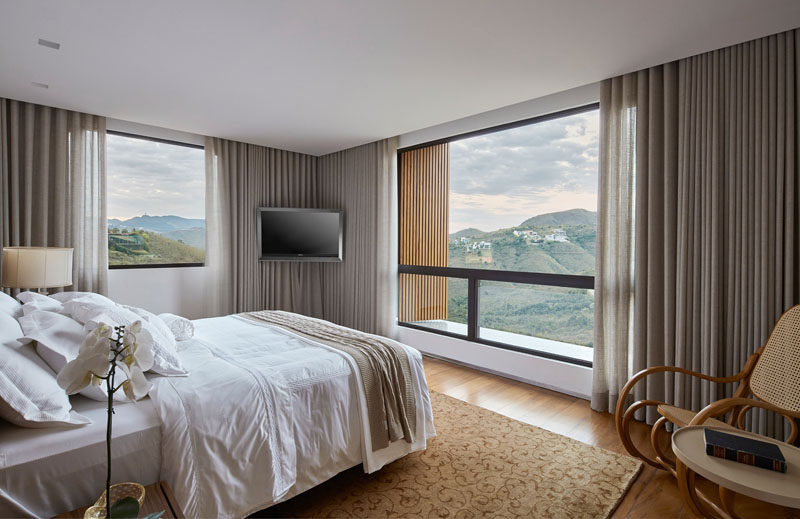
36,267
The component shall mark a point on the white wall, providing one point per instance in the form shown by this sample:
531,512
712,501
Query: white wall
178,290
551,374
572,98
146,130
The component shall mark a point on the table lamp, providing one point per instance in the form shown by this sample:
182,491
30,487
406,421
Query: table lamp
36,267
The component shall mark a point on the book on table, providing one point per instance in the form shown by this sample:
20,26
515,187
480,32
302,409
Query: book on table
750,451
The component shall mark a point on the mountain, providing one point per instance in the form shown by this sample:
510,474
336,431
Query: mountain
466,233
570,217
161,224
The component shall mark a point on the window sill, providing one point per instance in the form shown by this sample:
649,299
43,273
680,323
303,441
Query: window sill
564,377
155,266
550,349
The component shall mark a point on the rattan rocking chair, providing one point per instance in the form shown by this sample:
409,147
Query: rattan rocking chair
770,380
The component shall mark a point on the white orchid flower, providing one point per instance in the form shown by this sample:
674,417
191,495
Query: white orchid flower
138,344
136,386
139,347
92,361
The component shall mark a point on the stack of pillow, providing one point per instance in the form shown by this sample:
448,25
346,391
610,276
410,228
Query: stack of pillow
40,335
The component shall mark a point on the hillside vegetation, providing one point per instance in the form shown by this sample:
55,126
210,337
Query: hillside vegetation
157,249
556,313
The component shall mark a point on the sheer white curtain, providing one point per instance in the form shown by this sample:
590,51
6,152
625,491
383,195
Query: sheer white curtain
614,274
52,180
219,280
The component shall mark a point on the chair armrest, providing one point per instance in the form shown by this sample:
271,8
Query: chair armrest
626,389
722,406
623,395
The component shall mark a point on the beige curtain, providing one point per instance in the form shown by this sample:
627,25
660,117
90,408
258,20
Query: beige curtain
53,185
699,177
361,292
240,178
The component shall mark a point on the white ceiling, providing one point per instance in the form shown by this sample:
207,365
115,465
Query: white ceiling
318,76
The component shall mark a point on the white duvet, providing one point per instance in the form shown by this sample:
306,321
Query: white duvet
264,415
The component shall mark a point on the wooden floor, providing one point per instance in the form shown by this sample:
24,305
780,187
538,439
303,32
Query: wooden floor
653,494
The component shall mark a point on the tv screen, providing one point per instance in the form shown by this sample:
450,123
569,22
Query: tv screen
300,234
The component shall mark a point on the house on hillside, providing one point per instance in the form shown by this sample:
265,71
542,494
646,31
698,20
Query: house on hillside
127,241
558,235
530,236
478,245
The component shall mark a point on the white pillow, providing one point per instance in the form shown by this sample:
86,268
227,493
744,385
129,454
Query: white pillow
166,360
157,322
58,340
83,308
9,305
65,297
29,393
34,301
181,327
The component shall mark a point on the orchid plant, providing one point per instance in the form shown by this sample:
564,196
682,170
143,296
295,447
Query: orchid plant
102,353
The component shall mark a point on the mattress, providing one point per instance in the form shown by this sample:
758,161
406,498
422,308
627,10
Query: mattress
43,471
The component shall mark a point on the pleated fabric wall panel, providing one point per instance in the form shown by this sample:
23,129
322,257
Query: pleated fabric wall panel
52,182
701,154
240,178
424,218
361,292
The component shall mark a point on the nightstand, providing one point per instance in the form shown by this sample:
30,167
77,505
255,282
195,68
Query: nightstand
157,497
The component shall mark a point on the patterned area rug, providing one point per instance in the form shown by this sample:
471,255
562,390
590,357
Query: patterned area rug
481,464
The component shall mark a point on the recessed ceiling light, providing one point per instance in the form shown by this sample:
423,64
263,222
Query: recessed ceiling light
49,44
40,85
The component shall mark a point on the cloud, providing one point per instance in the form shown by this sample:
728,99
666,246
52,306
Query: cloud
500,179
147,177
492,212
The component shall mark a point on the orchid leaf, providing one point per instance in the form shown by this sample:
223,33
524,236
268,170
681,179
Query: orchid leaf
154,515
125,508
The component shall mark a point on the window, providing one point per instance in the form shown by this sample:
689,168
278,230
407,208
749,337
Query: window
497,235
155,196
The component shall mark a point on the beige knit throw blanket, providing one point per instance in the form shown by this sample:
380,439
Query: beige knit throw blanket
384,367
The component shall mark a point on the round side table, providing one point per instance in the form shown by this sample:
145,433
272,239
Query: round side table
778,488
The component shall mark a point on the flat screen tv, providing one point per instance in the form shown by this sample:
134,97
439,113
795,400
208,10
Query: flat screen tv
289,234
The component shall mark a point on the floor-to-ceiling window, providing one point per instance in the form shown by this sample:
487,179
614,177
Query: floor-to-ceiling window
497,235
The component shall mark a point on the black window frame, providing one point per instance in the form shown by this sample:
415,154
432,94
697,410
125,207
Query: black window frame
475,276
162,141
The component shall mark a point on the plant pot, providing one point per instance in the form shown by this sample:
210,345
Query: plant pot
118,491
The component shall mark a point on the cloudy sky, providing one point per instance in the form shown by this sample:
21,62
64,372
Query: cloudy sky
146,177
500,179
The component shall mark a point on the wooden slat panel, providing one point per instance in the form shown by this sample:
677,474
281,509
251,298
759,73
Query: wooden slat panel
424,212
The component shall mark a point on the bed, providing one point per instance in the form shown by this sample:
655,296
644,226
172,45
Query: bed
265,414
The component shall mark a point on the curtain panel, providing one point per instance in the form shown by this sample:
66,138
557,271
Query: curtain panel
697,253
52,185
361,292
240,178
